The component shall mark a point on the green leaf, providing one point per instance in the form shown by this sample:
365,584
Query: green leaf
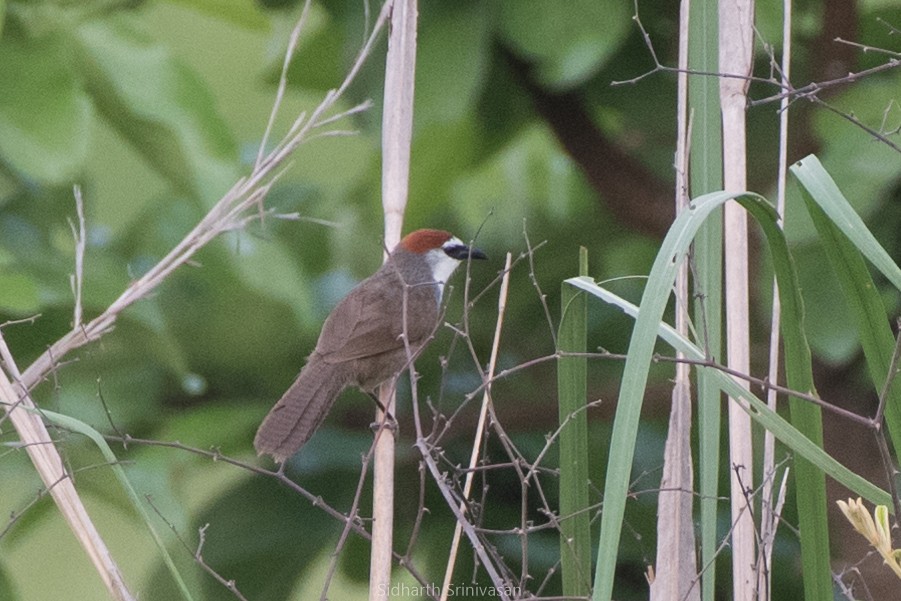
7,588
244,13
453,54
833,338
268,268
159,105
45,116
706,173
568,41
18,294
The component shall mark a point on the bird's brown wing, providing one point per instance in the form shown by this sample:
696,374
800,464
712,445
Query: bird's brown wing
370,319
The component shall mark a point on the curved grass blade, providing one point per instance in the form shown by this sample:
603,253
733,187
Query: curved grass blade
775,423
845,238
811,483
78,426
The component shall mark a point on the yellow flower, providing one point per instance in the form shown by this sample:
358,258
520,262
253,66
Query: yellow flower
877,531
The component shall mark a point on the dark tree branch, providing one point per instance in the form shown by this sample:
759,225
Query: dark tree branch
632,191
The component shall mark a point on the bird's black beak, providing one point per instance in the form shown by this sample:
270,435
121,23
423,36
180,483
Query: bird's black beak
475,253
462,252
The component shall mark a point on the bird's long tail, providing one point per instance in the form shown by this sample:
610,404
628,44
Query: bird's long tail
300,411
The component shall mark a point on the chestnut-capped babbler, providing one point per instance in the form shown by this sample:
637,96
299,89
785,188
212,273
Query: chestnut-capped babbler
362,340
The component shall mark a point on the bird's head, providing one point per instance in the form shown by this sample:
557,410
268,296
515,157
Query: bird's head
442,251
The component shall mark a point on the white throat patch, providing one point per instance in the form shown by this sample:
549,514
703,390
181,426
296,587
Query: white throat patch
442,265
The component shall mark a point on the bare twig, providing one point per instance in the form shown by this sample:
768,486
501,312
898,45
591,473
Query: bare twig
350,520
293,40
242,203
541,295
878,427
239,205
480,428
425,450
767,385
353,515
197,553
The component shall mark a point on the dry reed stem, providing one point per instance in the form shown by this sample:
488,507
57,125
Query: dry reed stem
736,46
240,205
397,131
36,440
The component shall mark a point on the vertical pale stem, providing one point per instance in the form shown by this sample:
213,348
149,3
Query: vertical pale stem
768,516
676,570
397,118
397,128
736,18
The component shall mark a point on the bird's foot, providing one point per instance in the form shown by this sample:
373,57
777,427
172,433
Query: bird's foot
387,423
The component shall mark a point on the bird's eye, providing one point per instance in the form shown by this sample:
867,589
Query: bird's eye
457,251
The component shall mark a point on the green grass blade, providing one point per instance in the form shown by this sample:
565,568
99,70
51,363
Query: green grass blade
575,525
845,238
810,481
635,373
625,426
784,431
74,425
706,172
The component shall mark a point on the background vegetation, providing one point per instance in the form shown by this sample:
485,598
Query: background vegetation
156,108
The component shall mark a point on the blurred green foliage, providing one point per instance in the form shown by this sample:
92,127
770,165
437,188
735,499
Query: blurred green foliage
155,108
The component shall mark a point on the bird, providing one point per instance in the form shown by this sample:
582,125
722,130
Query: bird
368,338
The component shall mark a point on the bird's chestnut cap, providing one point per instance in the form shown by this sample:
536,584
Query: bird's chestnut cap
422,241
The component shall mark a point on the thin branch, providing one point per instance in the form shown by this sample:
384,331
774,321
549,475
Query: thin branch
814,88
480,428
279,475
542,297
866,49
197,553
293,40
353,516
230,212
79,235
767,385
